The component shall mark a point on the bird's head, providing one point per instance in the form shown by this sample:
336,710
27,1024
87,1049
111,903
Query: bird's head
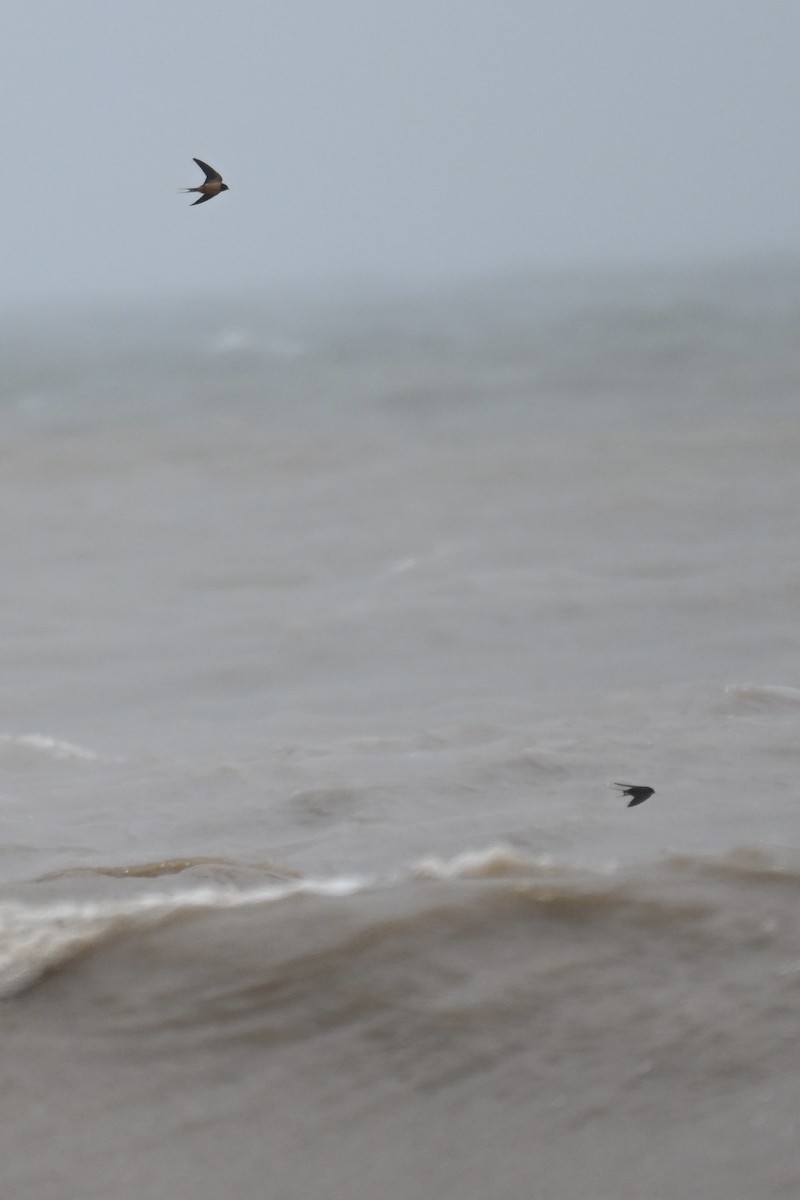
224,187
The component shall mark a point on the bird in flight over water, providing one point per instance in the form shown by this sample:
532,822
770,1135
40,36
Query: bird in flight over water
637,793
212,186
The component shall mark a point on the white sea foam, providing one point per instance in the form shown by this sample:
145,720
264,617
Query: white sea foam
35,937
493,862
47,747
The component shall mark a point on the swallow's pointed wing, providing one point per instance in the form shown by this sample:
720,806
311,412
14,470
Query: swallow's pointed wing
639,794
203,199
211,175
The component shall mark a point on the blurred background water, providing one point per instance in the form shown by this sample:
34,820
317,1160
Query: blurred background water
326,622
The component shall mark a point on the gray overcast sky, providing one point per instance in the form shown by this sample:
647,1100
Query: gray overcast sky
381,138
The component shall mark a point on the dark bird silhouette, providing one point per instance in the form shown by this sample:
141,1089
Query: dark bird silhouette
637,793
212,186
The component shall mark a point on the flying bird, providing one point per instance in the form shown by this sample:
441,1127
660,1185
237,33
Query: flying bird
637,793
212,186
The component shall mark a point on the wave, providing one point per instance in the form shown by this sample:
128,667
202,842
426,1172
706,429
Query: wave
27,748
168,866
754,695
494,862
564,1011
497,887
36,938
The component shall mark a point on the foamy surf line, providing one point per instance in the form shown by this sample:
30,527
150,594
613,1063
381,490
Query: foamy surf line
46,747
35,938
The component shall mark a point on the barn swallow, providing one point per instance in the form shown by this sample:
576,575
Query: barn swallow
212,186
638,793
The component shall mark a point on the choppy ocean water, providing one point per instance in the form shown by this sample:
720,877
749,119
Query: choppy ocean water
325,627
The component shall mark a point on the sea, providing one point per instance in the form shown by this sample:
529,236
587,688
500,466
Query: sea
329,618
